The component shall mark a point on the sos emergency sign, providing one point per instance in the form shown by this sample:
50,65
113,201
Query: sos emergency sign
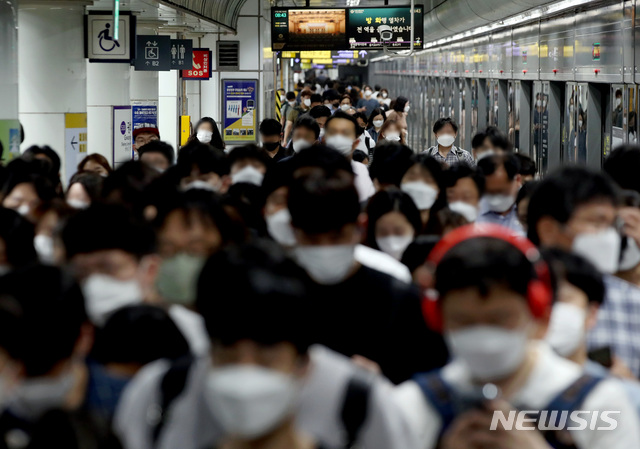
201,69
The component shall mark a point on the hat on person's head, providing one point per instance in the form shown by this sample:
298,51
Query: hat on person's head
146,128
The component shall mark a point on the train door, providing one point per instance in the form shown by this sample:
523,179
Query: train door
632,117
619,112
474,108
540,125
514,114
571,128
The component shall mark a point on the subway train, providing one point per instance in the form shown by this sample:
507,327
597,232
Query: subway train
563,86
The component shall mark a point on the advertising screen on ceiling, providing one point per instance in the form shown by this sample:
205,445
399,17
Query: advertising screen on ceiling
343,29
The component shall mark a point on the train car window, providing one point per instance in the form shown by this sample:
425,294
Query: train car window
618,115
474,107
514,113
570,128
582,118
632,129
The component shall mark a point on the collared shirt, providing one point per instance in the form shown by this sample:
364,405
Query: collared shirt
510,220
618,324
455,156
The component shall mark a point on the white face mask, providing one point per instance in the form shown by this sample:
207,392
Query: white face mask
446,140
321,133
378,123
489,352
367,93
23,210
341,143
485,154
499,203
78,204
250,401
601,248
385,95
300,145
292,103
282,98
35,396
280,229
579,123
421,193
204,136
544,103
307,102
538,103
201,185
566,328
618,102
393,137
465,209
345,107
44,247
407,108
105,294
630,256
248,174
394,245
326,264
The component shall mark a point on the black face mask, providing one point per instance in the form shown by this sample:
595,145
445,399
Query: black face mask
270,146
336,105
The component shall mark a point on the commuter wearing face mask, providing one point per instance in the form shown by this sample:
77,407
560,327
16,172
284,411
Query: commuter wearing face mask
297,111
575,209
384,99
120,268
393,222
306,133
422,182
206,131
248,164
446,131
390,132
345,103
287,106
84,189
27,186
465,186
500,365
342,133
261,328
580,294
375,122
399,113
364,312
502,182
390,164
367,104
17,240
270,136
201,166
320,115
158,155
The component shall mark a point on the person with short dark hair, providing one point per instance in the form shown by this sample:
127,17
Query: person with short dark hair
321,115
496,140
445,130
391,162
342,133
157,154
287,105
306,132
248,164
502,182
127,186
316,100
482,272
527,167
368,103
361,156
45,153
270,136
201,166
295,112
478,149
324,210
465,187
575,209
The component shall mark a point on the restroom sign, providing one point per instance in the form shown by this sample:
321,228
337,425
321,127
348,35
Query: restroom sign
201,69
181,54
100,42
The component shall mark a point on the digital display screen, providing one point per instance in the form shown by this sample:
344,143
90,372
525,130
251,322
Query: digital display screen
343,29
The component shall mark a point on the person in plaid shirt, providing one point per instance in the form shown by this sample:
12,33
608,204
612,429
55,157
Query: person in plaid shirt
446,131
576,209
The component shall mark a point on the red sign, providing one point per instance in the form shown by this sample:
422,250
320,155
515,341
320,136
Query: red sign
201,65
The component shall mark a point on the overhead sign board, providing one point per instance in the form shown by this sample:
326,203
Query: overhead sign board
181,52
101,45
201,65
373,28
341,29
153,53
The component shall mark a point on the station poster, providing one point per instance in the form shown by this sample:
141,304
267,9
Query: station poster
122,136
144,114
239,106
9,139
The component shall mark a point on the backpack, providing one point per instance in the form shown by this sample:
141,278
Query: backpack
441,396
353,412
457,151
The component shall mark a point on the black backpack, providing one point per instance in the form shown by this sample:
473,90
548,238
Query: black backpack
353,412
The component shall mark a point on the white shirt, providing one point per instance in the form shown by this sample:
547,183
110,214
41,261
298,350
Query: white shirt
190,424
362,146
191,324
363,182
383,262
551,375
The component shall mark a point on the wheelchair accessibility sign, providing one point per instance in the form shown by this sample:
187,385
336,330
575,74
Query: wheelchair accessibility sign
100,44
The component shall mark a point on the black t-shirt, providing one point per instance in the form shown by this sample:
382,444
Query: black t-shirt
282,153
379,317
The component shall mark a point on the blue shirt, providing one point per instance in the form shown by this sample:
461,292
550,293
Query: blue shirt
369,104
632,387
618,324
509,220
